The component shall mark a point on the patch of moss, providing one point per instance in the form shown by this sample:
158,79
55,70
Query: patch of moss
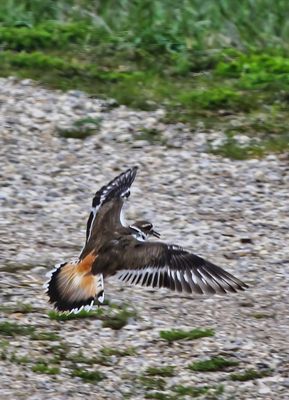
178,334
249,374
88,376
11,329
212,364
161,371
42,368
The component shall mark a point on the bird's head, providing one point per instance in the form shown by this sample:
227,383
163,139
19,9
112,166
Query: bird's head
143,229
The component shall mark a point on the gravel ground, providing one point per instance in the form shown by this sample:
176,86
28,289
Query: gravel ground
235,213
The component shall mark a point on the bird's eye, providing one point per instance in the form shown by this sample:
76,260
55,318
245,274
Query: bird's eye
126,194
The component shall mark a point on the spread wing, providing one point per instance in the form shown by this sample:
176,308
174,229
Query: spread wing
160,265
118,188
103,206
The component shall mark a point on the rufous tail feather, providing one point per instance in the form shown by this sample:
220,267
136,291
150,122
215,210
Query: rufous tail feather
73,287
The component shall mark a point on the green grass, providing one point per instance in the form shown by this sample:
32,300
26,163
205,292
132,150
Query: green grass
54,315
249,374
104,358
262,315
42,368
161,371
212,364
8,328
18,308
151,383
118,320
114,317
49,336
20,360
80,358
110,351
178,334
197,391
160,396
159,26
200,60
88,376
81,128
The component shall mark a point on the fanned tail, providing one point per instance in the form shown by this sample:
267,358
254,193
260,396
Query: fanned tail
72,286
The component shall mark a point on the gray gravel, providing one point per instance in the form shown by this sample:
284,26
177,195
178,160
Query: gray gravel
235,213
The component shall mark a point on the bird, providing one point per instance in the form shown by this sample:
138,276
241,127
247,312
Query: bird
115,248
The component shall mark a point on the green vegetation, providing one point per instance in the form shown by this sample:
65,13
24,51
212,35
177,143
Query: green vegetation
50,336
161,371
88,376
179,391
67,317
45,369
8,328
249,374
118,320
81,128
21,308
198,390
160,396
178,334
263,315
213,364
201,60
115,317
80,358
150,383
22,360
109,351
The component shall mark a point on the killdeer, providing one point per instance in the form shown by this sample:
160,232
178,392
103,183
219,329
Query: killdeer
114,248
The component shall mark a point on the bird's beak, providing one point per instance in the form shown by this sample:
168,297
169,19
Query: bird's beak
154,233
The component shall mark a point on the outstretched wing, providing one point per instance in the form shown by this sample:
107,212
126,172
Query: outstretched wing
161,265
118,188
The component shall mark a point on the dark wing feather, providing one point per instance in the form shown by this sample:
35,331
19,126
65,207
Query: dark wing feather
161,265
117,188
